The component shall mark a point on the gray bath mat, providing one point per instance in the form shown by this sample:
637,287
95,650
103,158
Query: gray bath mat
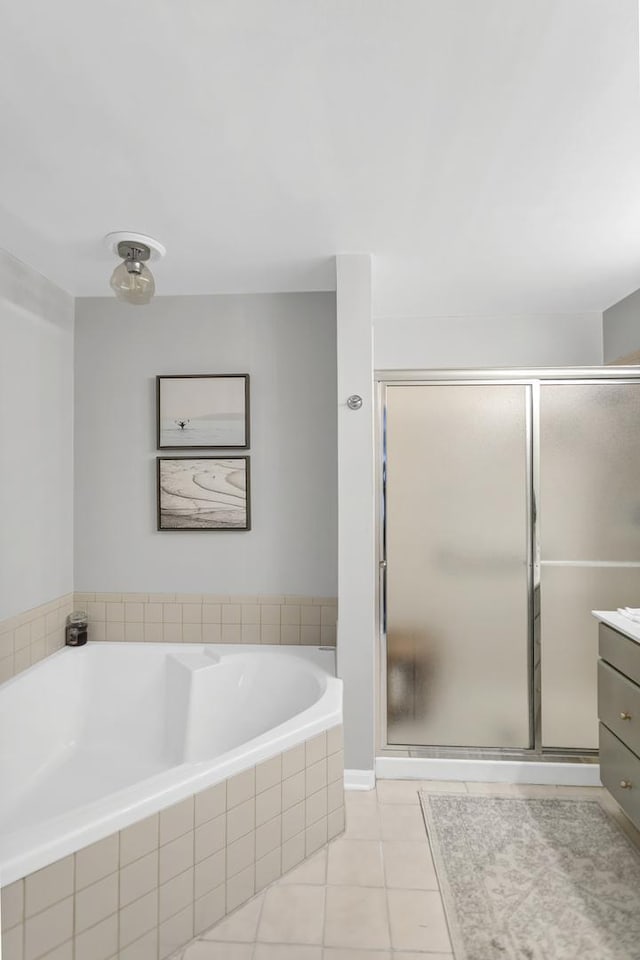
534,879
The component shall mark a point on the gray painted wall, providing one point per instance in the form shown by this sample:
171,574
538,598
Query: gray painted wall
621,328
528,340
36,439
287,343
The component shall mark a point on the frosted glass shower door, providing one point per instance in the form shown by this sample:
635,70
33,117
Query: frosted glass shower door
589,542
458,573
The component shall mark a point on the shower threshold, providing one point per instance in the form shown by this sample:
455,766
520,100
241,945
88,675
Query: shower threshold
579,770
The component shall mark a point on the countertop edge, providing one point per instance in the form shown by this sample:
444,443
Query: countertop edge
619,623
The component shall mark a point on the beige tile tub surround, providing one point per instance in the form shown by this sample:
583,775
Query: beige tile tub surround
32,635
145,892
209,618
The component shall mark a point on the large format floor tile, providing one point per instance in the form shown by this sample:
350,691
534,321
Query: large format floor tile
357,917
417,920
292,914
398,791
407,791
355,863
341,953
372,894
313,870
208,950
408,865
402,822
403,955
283,951
362,817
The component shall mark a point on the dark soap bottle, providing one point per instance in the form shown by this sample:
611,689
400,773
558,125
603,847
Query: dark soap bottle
76,629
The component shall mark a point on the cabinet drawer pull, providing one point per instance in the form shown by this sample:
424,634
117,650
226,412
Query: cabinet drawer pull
625,716
625,784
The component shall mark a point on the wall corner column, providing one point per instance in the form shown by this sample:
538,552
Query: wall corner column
356,509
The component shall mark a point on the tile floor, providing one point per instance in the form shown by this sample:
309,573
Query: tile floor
372,894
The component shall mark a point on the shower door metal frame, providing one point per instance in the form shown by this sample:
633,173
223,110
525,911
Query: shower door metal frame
533,378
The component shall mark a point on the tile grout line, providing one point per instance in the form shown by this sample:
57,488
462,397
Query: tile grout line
157,950
263,892
119,875
386,895
325,890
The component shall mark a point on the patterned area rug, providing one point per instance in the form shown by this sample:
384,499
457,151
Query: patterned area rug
534,879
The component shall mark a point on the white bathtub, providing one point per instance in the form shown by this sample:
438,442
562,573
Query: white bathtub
96,738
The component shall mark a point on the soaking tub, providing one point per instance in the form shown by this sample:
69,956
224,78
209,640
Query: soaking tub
110,742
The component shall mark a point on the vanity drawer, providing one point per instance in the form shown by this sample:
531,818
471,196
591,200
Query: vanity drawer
619,765
621,652
619,705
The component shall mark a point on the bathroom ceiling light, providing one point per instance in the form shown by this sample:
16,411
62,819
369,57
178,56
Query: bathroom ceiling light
132,281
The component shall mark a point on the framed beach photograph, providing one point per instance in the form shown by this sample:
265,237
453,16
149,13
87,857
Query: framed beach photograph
207,493
209,410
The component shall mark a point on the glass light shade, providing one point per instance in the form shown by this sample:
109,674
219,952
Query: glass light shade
137,288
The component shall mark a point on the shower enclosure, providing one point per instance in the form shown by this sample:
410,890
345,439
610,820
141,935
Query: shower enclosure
510,508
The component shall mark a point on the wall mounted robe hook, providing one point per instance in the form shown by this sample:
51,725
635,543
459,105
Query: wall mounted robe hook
354,402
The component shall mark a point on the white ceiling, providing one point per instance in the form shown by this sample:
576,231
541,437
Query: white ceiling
486,152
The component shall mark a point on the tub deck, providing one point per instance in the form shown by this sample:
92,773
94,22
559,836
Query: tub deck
94,738
154,788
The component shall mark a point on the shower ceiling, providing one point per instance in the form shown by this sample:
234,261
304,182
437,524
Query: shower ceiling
486,153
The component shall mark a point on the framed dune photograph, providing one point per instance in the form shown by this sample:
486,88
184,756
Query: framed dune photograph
197,410
207,493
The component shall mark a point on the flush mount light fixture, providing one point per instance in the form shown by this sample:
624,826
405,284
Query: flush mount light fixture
132,281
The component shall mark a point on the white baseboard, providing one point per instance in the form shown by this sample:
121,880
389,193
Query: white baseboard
489,771
359,779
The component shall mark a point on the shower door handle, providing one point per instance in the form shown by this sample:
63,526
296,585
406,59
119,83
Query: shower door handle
382,595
